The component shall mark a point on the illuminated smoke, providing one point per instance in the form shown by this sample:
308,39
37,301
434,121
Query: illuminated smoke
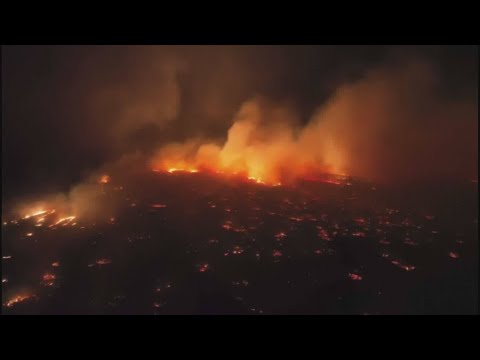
390,126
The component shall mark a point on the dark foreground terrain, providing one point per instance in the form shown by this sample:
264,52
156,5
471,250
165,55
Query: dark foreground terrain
186,243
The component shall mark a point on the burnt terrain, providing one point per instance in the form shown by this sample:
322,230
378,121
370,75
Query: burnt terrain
194,243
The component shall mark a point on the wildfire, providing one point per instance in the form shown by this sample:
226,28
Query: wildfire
104,179
257,180
172,170
38,213
18,299
66,220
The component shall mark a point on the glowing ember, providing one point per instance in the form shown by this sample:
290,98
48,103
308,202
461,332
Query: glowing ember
56,264
6,257
4,280
454,255
29,234
280,236
158,206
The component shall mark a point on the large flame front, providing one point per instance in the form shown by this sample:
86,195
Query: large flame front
258,150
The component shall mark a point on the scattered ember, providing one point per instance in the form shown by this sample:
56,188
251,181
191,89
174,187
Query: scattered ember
56,264
429,217
29,234
280,236
103,262
454,255
4,280
237,250
359,234
403,266
48,279
277,253
355,277
6,257
203,267
158,206
410,242
323,234
318,252
227,225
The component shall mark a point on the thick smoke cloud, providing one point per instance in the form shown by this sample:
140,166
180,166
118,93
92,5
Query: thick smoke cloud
391,126
387,114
